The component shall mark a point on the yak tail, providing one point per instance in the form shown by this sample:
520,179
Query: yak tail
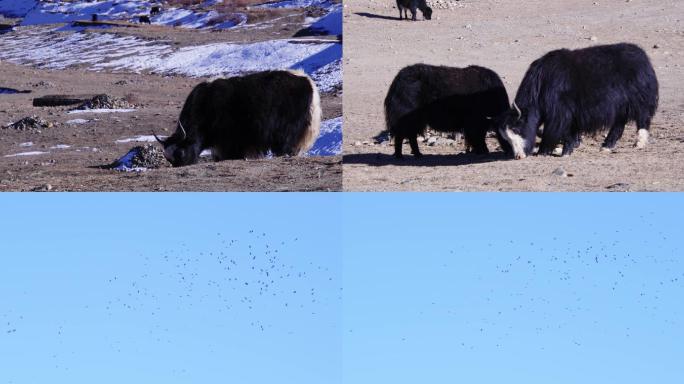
393,111
313,130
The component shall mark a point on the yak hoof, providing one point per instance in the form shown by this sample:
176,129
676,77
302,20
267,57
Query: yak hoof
520,156
606,150
558,151
418,155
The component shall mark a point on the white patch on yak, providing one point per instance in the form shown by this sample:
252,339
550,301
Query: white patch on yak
517,143
314,115
642,138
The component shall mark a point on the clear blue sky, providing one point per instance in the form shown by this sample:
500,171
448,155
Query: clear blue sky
142,288
437,288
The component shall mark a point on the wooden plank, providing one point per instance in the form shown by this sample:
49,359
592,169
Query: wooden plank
59,100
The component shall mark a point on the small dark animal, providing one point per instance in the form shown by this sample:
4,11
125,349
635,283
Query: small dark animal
248,116
93,17
144,19
447,99
582,91
412,5
155,10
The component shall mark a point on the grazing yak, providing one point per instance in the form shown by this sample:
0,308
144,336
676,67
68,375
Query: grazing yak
144,19
582,91
155,10
247,116
447,99
412,5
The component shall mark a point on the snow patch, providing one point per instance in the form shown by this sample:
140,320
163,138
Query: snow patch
33,153
141,138
97,51
77,121
60,146
16,8
298,4
329,142
26,144
100,110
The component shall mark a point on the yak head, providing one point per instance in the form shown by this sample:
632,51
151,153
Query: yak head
180,148
427,12
513,127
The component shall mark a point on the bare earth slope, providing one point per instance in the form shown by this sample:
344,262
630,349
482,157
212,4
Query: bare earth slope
507,36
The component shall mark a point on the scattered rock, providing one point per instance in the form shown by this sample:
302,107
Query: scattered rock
29,123
560,172
619,187
139,158
43,84
42,188
105,102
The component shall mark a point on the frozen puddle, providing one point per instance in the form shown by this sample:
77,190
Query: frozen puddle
33,153
329,142
102,110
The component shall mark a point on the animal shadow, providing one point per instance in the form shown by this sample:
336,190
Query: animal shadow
374,16
427,160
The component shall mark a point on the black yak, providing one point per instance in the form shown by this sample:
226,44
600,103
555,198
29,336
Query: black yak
144,19
582,91
247,116
155,10
412,5
447,99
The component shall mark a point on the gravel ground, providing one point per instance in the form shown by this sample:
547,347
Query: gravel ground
507,36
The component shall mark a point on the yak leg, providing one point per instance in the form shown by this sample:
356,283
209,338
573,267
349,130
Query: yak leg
413,13
550,138
398,142
401,16
614,135
475,134
413,141
643,126
571,143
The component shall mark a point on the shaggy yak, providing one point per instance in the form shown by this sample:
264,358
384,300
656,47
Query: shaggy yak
144,19
248,116
412,5
582,91
447,99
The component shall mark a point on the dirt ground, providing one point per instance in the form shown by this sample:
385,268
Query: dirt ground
507,36
160,99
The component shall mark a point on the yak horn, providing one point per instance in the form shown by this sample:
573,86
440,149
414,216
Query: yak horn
517,110
182,129
158,139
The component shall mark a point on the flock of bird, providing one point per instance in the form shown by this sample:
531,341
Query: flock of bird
248,277
232,280
535,288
